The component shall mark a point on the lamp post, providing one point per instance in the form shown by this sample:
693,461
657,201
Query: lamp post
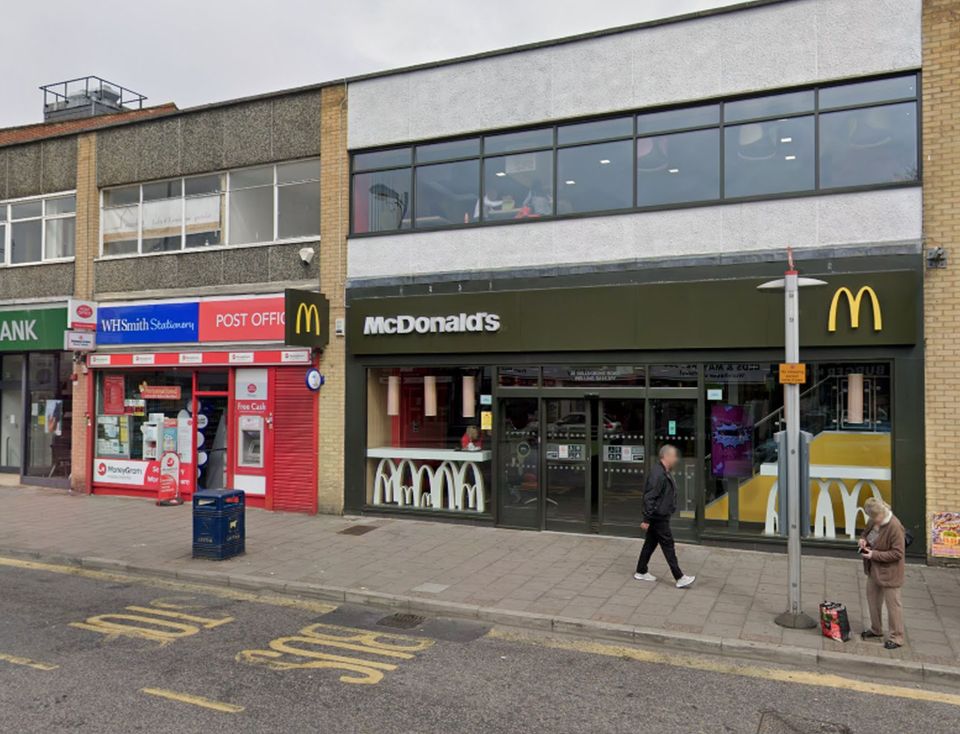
790,284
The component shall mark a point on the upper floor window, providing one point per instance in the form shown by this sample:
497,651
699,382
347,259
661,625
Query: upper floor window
246,206
38,230
831,138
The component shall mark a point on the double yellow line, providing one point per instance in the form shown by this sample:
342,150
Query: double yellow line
716,665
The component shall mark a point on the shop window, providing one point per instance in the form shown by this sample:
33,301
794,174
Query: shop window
37,230
677,168
594,376
845,407
447,193
518,376
203,210
678,119
674,375
381,201
526,140
595,177
872,145
429,439
518,186
446,151
162,216
251,205
266,204
298,199
859,93
771,157
771,105
382,159
585,132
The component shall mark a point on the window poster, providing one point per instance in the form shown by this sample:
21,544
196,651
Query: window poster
945,535
731,439
53,411
113,395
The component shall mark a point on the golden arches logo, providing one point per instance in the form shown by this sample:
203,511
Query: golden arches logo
309,313
853,301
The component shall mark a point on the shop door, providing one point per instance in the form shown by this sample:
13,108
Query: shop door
622,464
569,448
518,461
674,422
11,412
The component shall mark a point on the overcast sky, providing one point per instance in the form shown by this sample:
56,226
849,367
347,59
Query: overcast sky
197,51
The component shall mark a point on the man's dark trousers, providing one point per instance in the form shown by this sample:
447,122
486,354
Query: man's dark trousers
659,533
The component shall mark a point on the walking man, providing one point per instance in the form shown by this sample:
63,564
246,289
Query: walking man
659,503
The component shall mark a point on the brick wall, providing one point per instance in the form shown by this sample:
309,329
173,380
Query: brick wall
87,248
941,215
334,223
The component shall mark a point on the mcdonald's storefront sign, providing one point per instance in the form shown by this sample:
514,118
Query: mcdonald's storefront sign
307,319
854,302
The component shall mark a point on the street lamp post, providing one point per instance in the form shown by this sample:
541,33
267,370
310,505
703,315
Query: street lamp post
791,283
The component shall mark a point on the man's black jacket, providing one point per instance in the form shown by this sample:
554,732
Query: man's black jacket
659,494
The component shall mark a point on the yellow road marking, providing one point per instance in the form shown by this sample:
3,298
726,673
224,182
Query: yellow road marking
711,665
316,607
207,703
16,660
297,652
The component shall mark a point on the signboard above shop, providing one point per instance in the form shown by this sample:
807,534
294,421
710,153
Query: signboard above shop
25,330
854,309
259,319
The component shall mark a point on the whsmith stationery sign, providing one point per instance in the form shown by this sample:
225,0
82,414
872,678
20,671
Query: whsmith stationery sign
32,329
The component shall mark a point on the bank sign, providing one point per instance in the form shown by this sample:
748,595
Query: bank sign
32,329
191,322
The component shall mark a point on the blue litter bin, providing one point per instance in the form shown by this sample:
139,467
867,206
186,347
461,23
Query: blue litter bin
218,523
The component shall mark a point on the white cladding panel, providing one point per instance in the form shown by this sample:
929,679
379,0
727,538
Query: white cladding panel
767,47
867,218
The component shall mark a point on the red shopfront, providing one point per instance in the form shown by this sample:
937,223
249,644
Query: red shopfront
241,417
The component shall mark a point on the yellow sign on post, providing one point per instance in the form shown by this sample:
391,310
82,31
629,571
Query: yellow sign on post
793,373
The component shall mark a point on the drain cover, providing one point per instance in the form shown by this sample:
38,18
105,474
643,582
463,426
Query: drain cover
402,621
357,530
771,723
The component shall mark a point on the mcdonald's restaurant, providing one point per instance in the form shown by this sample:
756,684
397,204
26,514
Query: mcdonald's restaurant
206,393
540,403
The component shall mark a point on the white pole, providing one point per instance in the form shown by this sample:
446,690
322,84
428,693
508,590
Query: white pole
792,401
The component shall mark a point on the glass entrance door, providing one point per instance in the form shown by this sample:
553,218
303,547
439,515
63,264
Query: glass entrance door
518,460
568,451
11,412
674,422
622,463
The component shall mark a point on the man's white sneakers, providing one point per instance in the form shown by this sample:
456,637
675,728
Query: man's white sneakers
684,581
644,577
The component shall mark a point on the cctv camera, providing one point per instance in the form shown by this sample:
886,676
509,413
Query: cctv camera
306,255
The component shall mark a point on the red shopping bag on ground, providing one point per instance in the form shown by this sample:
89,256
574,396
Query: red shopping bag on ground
833,621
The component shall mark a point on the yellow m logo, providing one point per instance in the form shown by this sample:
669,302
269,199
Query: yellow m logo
310,314
853,301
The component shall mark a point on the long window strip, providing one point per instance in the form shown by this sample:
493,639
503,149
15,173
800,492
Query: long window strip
225,188
759,118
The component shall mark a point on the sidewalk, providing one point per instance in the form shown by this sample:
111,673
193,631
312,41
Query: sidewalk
552,580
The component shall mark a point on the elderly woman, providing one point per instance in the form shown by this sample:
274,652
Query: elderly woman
883,546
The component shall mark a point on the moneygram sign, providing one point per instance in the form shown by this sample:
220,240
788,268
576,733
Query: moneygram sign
462,323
